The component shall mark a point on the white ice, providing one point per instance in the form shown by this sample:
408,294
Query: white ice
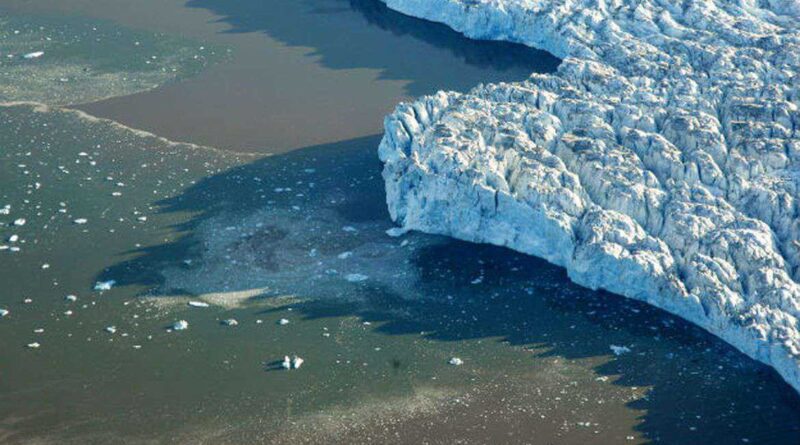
661,162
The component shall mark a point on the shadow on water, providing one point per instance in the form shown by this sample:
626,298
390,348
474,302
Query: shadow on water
695,379
311,23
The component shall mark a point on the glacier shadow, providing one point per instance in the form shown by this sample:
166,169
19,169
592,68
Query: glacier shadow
695,379
370,35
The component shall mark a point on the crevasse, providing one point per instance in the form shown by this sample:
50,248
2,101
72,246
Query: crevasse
660,162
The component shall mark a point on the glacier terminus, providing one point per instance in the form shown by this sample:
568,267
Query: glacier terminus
660,162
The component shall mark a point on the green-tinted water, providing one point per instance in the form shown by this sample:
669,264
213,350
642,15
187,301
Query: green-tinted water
60,60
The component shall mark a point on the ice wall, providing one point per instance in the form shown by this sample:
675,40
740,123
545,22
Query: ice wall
660,162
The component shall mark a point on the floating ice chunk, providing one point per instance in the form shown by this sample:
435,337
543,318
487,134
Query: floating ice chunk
4,312
619,350
198,304
455,361
67,313
27,301
286,363
349,229
142,218
104,285
396,231
33,55
345,255
111,329
38,330
230,322
71,298
180,325
297,362
20,222
13,238
45,266
34,345
80,221
355,277
5,210
283,322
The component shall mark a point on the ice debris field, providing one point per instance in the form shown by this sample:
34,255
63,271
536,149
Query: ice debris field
660,162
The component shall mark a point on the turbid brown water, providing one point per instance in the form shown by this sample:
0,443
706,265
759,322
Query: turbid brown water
301,73
299,235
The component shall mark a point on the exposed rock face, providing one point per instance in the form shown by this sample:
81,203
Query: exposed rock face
660,162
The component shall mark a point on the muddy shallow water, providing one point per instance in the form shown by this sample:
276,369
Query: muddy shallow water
300,235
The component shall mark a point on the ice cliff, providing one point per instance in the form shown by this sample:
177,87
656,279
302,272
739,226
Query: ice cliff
660,162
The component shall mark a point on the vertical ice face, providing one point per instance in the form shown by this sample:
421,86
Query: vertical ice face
660,162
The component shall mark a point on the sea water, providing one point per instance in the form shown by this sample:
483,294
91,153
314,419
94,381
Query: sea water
300,236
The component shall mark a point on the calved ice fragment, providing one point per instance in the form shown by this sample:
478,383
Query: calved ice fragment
660,162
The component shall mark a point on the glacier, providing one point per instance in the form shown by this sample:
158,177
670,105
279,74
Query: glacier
660,162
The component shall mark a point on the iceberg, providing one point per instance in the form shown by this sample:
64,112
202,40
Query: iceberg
660,162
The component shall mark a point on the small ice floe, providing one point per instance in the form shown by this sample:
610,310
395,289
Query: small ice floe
38,330
283,322
80,221
104,285
455,361
355,277
291,363
396,231
198,304
71,298
142,219
345,255
230,322
297,362
5,210
350,229
180,325
111,329
67,313
13,238
28,300
45,266
619,350
19,222
34,345
4,312
33,55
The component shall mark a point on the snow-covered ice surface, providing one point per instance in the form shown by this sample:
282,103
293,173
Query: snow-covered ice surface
660,162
